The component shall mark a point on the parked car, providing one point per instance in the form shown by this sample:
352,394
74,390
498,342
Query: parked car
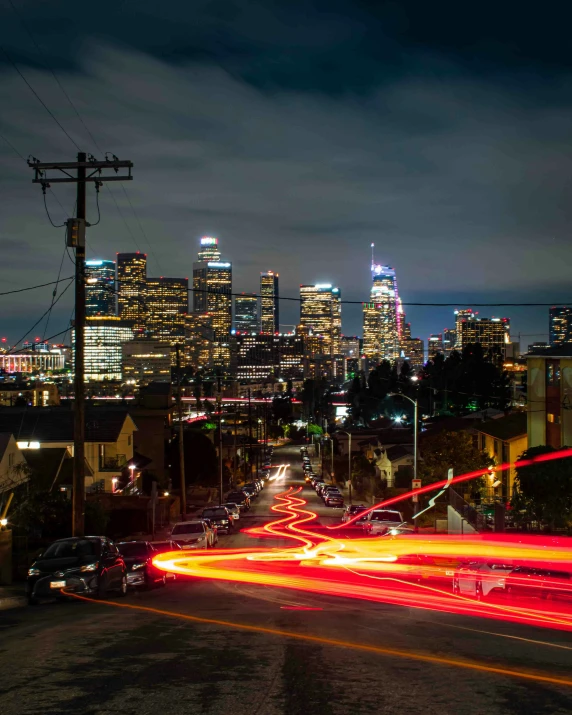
381,520
334,498
220,517
90,566
480,579
352,511
191,534
251,491
138,557
212,532
163,547
329,488
541,582
233,509
241,498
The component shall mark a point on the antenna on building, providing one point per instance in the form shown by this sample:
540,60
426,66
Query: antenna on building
372,260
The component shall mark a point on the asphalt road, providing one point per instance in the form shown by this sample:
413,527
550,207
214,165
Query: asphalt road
105,658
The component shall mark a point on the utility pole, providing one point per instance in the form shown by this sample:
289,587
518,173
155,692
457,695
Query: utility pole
183,498
219,404
249,433
87,170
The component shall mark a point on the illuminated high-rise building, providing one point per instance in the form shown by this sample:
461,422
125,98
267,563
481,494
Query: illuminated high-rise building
269,303
383,316
212,294
146,361
435,345
167,304
246,313
412,350
198,340
131,285
492,333
321,311
449,341
100,288
103,340
560,325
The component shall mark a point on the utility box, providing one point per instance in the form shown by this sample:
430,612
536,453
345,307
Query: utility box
75,232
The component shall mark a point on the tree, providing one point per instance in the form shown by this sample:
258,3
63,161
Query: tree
362,469
314,429
543,490
440,452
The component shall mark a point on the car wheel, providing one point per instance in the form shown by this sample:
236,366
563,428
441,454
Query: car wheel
163,581
479,595
123,587
456,589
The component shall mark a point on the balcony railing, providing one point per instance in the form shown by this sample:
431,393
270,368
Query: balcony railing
112,464
473,517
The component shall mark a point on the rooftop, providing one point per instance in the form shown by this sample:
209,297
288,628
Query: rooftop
505,428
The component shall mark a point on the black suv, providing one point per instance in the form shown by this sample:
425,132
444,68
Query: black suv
219,516
89,565
240,498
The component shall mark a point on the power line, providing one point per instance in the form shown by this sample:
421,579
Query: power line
41,285
44,105
9,143
55,225
46,340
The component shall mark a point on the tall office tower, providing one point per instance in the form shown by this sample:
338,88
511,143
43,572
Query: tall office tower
412,349
131,280
435,345
167,304
198,340
492,333
100,288
291,356
255,357
246,313
209,249
449,340
269,303
103,340
560,325
383,316
350,346
460,315
212,294
321,311
146,361
312,342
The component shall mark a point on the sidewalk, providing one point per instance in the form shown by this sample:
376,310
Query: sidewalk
13,596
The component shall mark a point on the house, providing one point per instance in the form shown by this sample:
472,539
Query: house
109,440
38,394
550,397
12,462
505,439
395,464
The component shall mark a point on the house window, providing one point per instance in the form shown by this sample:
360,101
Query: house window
555,419
553,373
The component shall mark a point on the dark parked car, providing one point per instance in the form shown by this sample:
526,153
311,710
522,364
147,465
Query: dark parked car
334,498
542,582
241,498
138,557
163,547
220,517
90,566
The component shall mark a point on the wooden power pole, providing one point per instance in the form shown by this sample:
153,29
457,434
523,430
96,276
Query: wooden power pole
87,170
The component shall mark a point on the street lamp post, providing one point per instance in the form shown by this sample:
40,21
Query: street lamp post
349,434
415,427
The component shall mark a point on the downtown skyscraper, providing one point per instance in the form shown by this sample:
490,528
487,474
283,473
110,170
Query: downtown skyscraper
100,288
269,303
246,313
131,288
212,295
321,312
382,316
167,304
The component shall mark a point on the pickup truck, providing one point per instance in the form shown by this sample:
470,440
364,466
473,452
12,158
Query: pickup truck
381,520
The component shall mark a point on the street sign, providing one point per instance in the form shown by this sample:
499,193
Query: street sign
415,484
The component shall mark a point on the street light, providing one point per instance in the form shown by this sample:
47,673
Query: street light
349,434
414,402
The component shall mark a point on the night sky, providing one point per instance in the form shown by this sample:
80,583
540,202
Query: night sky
298,133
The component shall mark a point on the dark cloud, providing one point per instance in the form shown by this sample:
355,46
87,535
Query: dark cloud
459,176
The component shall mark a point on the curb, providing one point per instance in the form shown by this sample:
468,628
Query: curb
12,602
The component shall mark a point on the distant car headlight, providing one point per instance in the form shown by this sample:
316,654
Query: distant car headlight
34,572
135,567
90,567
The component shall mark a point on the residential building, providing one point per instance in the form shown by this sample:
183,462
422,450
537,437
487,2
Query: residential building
104,337
146,361
549,390
100,288
505,439
246,313
560,325
435,345
34,394
212,294
167,304
199,340
131,289
269,303
108,438
12,463
321,312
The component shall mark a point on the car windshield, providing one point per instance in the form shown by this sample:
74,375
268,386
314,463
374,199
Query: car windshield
215,513
134,550
356,509
386,516
66,549
162,546
188,528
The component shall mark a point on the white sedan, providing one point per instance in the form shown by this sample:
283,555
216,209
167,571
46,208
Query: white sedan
480,579
233,509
